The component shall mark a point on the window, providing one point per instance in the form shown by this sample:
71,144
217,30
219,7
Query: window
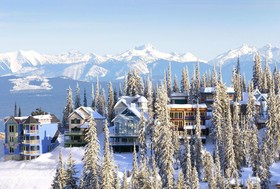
11,139
12,150
11,128
75,121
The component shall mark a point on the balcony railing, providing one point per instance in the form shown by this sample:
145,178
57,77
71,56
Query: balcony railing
30,132
72,133
68,141
31,152
193,117
31,142
123,143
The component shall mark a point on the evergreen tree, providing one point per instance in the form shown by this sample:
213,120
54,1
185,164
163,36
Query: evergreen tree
156,179
237,137
89,178
68,109
125,86
77,98
214,77
19,111
255,150
134,83
59,180
169,80
101,104
163,139
175,85
111,103
229,163
257,72
93,97
107,170
180,182
124,184
194,178
85,98
142,138
177,146
15,110
71,179
207,167
135,171
186,161
96,96
219,178
185,85
198,142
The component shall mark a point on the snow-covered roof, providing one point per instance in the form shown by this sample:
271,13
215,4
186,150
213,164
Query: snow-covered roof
179,94
212,90
142,99
89,111
84,126
187,105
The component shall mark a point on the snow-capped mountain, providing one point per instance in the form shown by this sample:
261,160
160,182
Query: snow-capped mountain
246,54
79,66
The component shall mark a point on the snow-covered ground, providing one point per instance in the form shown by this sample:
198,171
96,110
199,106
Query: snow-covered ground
38,173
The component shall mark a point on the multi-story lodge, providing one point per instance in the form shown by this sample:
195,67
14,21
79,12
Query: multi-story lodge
78,126
260,107
207,95
128,114
183,118
28,137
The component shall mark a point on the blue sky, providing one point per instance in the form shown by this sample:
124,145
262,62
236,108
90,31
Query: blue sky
202,27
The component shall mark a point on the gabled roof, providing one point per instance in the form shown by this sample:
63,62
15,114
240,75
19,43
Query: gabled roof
30,119
11,119
89,111
212,90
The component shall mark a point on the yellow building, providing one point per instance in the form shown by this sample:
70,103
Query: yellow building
183,118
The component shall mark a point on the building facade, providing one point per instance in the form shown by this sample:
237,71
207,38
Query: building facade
126,122
183,118
78,126
28,137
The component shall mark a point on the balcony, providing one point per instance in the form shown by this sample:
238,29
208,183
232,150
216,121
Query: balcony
69,142
33,132
193,117
31,152
34,142
74,133
123,143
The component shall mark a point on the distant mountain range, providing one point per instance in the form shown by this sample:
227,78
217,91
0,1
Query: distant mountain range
85,67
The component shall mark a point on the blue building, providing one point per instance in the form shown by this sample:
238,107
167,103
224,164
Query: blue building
28,137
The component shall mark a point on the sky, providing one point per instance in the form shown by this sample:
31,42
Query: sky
203,27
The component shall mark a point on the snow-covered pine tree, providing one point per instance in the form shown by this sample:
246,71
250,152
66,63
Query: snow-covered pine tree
219,178
185,85
96,96
124,181
186,161
90,175
68,109
59,180
264,171
214,76
142,138
85,98
237,137
181,181
77,97
107,169
169,80
101,103
156,179
177,146
229,161
176,85
92,97
198,142
194,178
255,150
111,103
207,167
134,83
125,86
71,178
163,142
135,171
257,72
